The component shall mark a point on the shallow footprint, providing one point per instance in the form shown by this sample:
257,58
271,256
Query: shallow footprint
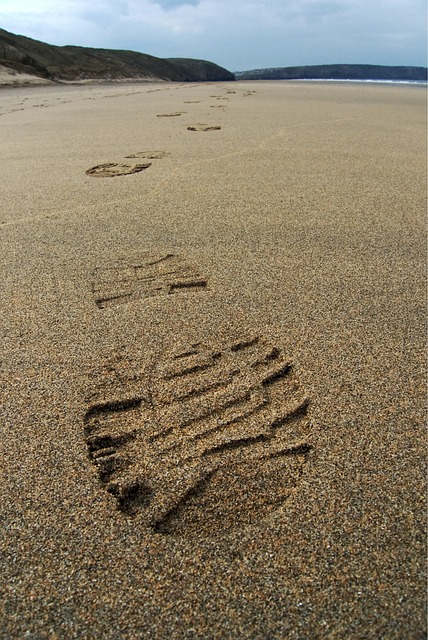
150,155
112,169
203,127
143,276
169,115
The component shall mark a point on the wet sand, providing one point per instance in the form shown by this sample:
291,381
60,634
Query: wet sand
213,364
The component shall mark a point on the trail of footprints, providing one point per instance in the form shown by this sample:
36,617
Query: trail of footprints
210,439
214,438
113,169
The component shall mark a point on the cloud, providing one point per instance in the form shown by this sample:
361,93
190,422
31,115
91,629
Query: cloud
242,34
173,4
100,13
317,11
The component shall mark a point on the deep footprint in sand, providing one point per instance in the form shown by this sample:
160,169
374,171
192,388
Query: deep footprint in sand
203,127
212,438
112,169
144,275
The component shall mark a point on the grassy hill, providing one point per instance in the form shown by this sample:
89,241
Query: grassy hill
70,63
336,72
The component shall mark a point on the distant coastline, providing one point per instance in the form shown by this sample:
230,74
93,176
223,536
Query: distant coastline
415,83
342,72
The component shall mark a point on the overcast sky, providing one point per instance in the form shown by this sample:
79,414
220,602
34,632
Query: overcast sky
237,34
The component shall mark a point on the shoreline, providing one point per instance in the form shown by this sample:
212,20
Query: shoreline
11,78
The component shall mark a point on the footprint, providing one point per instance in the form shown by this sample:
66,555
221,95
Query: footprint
150,155
203,127
111,169
170,115
143,276
213,438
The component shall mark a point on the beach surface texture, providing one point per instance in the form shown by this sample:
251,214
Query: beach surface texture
213,361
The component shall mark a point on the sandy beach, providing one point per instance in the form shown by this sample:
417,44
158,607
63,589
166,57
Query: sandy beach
213,361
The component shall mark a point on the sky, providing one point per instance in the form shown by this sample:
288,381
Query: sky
236,34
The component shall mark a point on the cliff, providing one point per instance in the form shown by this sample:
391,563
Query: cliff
72,63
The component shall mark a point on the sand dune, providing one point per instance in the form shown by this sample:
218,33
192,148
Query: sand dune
11,77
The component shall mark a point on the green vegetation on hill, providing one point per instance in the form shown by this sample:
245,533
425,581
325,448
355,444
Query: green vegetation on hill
198,70
70,63
336,72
